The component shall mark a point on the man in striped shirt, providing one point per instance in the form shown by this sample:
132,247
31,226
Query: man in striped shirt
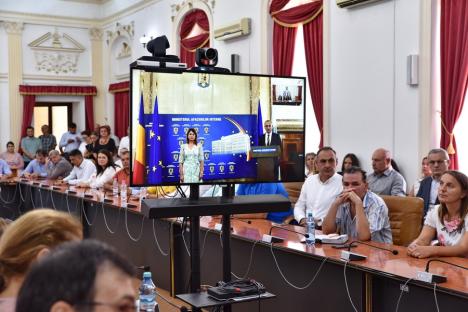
357,211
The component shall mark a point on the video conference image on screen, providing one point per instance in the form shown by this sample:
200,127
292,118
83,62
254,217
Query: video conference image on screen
215,128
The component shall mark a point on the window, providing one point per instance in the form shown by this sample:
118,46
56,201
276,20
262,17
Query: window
56,115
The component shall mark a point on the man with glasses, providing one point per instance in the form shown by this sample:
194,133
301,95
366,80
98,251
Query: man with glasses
79,276
439,162
320,190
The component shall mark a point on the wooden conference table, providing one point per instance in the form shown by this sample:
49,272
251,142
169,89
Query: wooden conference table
303,278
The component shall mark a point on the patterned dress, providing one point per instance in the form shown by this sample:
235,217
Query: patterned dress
191,158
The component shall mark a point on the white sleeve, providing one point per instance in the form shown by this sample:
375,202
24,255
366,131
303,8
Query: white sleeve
431,217
88,171
71,177
301,204
106,176
63,140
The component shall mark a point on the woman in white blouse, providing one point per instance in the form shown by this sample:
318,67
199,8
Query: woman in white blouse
447,222
105,171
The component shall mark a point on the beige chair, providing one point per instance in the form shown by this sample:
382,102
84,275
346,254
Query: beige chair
405,214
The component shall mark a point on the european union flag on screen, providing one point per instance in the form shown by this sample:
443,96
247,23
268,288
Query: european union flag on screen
154,143
259,124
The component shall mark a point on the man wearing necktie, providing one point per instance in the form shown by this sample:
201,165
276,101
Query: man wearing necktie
271,139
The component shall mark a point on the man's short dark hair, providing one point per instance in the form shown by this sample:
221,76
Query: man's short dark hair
68,274
325,148
72,125
75,152
86,132
32,128
355,169
42,152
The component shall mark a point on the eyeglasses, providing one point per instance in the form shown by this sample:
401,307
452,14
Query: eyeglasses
121,307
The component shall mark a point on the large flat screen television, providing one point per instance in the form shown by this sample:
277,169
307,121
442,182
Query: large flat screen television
209,128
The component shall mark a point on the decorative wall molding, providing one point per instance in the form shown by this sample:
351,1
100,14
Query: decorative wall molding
125,76
175,8
120,30
95,33
14,28
56,53
56,78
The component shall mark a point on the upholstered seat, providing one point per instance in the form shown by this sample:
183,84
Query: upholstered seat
405,215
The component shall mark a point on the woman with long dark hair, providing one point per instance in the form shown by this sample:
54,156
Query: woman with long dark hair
447,222
191,159
350,160
105,170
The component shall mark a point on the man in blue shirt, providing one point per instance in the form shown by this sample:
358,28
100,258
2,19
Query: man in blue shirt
265,189
5,171
37,167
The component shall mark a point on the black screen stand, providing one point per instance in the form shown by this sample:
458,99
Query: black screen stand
196,206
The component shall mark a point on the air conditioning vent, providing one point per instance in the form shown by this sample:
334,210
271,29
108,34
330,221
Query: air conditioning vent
234,30
351,3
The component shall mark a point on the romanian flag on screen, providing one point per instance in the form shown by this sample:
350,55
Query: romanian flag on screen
139,164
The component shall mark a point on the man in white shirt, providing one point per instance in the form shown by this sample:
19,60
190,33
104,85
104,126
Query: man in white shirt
319,190
124,143
82,170
70,140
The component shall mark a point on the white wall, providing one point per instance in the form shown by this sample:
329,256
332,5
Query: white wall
248,48
370,104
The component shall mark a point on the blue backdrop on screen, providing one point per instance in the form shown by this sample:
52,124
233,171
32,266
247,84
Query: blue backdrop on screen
225,140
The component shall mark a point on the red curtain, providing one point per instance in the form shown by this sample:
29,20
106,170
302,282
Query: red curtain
189,45
57,90
454,70
284,33
87,91
121,107
89,112
28,109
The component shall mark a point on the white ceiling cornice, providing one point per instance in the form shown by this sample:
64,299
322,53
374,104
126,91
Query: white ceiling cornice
47,19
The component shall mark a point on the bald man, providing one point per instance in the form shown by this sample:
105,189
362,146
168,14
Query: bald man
385,180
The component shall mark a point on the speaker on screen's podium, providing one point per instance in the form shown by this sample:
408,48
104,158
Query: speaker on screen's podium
267,159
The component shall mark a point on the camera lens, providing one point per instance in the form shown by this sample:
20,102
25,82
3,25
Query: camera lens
211,53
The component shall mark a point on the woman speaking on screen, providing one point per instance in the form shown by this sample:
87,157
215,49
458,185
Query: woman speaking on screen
191,159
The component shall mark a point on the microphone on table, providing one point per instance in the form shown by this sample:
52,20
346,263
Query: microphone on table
429,277
350,256
275,239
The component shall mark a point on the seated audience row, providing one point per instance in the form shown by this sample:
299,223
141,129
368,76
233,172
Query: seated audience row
31,237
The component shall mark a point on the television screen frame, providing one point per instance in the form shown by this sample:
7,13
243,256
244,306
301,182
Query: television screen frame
176,71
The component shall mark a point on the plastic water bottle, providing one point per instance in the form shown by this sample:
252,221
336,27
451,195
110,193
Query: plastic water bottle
310,226
115,188
123,194
148,294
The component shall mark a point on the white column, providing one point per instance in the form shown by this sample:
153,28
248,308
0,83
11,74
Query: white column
97,73
15,77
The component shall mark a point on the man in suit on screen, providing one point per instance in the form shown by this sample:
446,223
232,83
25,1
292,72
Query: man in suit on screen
271,139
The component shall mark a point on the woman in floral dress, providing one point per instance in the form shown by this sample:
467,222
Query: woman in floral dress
191,159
